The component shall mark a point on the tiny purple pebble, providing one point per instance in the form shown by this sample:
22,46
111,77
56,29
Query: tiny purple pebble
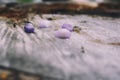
44,24
29,28
68,27
63,34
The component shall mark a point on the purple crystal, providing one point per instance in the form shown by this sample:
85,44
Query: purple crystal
68,27
63,34
29,28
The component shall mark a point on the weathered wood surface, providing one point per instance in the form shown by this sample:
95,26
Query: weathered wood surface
93,53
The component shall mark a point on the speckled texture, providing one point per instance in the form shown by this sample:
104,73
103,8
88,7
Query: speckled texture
90,54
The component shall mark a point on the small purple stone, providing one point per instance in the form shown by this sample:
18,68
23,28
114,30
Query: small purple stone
44,24
29,28
63,34
68,27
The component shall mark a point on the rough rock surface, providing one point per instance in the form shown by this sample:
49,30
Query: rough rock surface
92,53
